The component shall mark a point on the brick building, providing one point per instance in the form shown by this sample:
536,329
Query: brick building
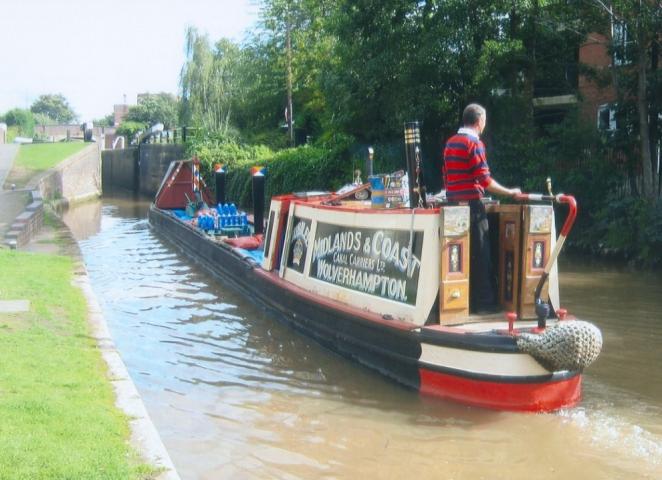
120,111
598,100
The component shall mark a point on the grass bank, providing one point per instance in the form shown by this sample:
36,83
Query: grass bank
36,158
58,418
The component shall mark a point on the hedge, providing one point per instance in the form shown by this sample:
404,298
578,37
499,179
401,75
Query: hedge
302,168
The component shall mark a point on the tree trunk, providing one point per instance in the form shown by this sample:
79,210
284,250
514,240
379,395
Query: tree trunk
642,109
653,118
290,129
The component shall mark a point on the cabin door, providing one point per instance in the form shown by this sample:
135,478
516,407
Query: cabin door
454,268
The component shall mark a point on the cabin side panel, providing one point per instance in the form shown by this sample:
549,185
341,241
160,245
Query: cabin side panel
384,263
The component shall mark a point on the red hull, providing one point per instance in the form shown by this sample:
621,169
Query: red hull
522,397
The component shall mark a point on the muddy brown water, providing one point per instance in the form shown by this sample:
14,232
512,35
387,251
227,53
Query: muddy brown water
234,394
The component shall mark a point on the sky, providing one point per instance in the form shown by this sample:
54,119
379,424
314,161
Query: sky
95,52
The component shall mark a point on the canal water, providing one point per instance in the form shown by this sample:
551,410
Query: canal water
236,395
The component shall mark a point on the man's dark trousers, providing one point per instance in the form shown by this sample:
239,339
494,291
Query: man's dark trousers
481,286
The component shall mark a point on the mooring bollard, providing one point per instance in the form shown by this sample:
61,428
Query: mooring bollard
219,177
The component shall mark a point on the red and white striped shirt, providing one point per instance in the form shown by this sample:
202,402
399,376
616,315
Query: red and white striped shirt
466,173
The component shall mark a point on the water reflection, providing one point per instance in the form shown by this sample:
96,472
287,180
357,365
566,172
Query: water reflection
236,395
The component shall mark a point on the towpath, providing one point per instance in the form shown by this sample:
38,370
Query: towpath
7,154
56,239
11,202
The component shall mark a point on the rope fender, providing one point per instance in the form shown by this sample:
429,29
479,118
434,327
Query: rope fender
569,345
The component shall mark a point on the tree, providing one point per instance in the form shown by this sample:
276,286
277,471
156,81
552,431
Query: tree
55,106
130,129
107,121
23,119
155,108
208,81
634,30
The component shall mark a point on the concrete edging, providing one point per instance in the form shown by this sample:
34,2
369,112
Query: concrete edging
144,436
27,224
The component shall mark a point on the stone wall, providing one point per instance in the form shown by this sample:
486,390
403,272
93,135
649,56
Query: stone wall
139,169
27,224
60,132
154,162
120,169
76,178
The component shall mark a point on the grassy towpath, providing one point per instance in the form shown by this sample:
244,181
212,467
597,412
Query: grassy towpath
57,413
33,159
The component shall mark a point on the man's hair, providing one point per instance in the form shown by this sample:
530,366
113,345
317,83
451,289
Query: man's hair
471,114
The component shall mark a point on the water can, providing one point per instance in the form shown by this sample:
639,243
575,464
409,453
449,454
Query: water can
377,188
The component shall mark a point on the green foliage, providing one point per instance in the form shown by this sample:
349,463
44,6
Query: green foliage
298,169
107,121
130,129
54,106
155,108
43,119
626,227
34,159
208,81
23,120
361,68
12,133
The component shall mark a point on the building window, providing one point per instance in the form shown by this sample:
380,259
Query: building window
607,117
620,43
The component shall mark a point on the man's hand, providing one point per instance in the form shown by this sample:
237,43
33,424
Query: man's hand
498,189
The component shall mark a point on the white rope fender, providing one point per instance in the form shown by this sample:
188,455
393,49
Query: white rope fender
569,345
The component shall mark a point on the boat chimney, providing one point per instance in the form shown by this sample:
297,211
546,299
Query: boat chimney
412,150
219,177
369,163
258,175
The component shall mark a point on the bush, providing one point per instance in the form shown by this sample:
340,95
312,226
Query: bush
628,228
129,129
304,168
23,120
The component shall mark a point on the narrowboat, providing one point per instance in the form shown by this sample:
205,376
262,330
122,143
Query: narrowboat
389,287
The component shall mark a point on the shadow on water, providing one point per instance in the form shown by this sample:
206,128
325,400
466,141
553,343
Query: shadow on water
236,394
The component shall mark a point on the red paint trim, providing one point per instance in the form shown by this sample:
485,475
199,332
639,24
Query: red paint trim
572,214
522,397
388,211
334,304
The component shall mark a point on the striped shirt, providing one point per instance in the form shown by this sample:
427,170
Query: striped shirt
466,173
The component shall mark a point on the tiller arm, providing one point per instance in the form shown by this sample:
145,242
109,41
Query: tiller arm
542,309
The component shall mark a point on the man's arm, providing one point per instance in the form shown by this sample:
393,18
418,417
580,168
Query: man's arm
498,189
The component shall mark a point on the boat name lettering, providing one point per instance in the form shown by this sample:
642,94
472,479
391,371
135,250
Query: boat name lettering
380,246
372,283
380,262
338,242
